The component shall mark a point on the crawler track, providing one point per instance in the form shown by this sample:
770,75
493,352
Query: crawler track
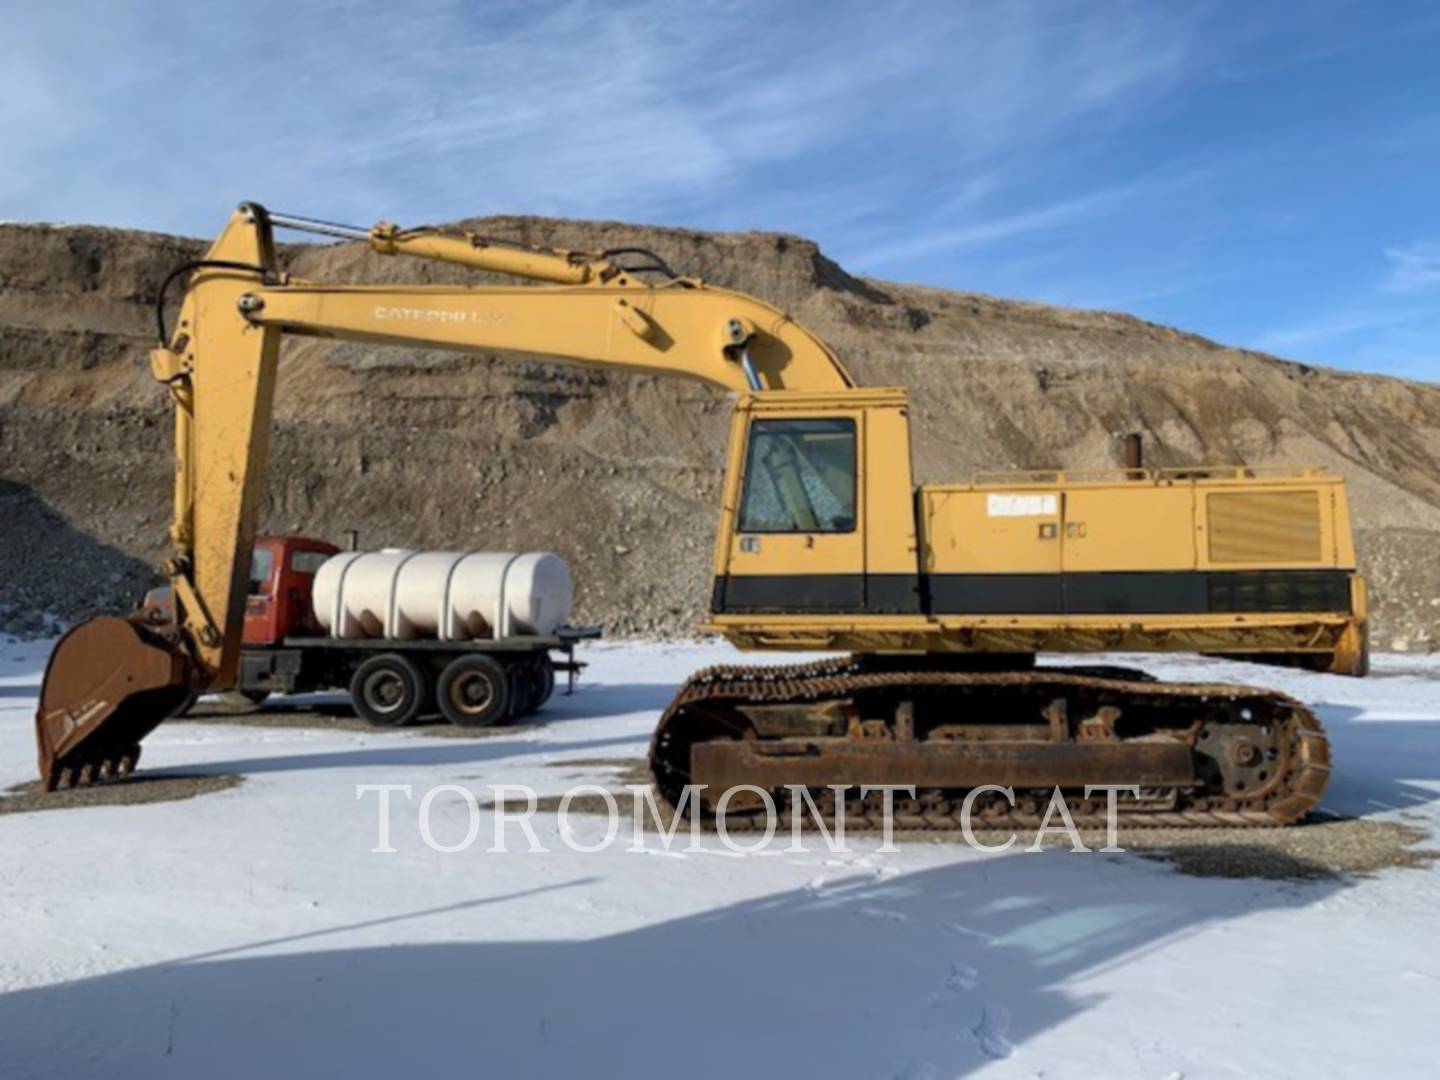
1259,758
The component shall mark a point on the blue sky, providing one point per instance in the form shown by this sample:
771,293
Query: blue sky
1263,173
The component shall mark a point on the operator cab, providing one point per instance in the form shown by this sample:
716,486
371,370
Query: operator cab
824,511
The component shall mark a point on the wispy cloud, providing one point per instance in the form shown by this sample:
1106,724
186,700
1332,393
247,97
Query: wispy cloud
634,108
970,234
976,229
1385,325
1397,340
1413,269
1332,328
1125,153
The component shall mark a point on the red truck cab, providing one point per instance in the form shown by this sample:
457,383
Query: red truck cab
282,580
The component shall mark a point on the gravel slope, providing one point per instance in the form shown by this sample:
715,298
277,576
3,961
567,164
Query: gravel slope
620,474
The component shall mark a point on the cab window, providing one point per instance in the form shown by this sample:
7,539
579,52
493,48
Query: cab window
261,563
799,477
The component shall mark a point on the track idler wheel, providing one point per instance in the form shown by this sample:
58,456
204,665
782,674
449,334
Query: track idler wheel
109,682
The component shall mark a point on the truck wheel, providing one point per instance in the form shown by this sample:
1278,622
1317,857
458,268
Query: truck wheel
388,689
544,683
473,691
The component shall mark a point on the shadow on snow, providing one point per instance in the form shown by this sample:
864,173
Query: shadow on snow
1379,764
937,972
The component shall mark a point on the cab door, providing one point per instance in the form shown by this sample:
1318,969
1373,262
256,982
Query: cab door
305,557
796,542
262,607
1130,548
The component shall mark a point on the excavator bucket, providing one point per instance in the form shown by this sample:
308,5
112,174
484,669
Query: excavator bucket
109,682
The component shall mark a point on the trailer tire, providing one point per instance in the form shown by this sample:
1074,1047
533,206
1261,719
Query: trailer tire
388,690
522,692
544,683
474,691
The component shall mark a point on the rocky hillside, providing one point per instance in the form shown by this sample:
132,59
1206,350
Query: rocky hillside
619,474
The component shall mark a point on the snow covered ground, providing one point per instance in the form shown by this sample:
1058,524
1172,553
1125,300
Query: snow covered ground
253,931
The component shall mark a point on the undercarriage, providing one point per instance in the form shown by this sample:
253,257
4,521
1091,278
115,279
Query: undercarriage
1199,754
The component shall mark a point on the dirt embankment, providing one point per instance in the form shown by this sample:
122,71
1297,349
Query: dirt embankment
621,474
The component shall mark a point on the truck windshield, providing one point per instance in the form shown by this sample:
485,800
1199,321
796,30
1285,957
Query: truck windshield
261,563
799,477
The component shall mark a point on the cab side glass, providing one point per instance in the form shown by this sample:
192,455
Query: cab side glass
262,562
799,477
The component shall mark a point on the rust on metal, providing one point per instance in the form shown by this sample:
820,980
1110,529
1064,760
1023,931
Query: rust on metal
818,763
905,721
1202,754
109,682
1134,456
1058,714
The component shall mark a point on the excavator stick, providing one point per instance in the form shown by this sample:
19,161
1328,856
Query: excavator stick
109,682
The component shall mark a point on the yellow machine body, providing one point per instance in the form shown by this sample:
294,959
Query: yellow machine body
825,544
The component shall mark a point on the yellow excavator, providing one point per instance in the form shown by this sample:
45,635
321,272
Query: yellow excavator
936,597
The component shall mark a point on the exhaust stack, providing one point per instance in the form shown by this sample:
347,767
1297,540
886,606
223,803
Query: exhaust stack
1134,452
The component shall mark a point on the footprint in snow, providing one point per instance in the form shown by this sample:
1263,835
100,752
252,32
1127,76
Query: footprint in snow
918,1070
990,1032
962,977
883,915
965,931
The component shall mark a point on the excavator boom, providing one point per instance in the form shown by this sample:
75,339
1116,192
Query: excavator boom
111,681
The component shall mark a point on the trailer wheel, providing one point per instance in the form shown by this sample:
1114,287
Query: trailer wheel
388,690
522,692
474,691
544,682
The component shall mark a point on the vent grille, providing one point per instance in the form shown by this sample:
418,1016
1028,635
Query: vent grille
1264,527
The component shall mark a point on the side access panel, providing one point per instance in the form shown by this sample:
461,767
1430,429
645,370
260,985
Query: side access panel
991,552
1130,549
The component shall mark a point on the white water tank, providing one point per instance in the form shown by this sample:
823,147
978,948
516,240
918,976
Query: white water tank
450,595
